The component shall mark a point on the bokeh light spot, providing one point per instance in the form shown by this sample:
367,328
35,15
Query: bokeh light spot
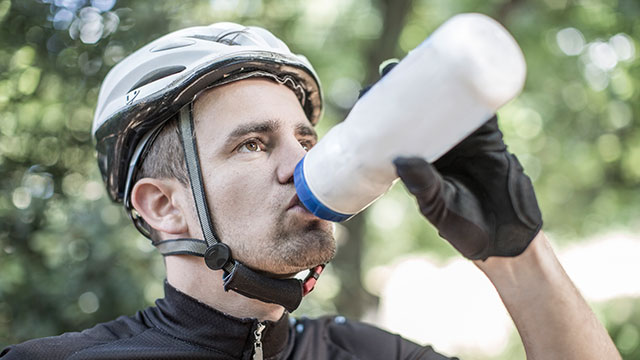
628,339
623,47
38,182
631,163
73,184
609,147
344,92
29,80
88,302
93,190
388,213
597,78
21,198
602,55
622,84
619,114
570,41
103,5
153,291
62,19
527,123
113,53
78,250
4,8
23,57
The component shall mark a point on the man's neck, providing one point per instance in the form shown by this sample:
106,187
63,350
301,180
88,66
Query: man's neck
190,275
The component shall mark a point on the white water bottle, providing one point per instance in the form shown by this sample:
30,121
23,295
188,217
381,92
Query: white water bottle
437,95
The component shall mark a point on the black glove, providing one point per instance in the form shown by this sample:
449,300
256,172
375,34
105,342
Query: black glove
476,195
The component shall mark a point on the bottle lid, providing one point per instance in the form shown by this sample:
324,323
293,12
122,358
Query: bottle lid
310,201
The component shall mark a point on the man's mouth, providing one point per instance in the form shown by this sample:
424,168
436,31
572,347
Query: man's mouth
296,205
295,201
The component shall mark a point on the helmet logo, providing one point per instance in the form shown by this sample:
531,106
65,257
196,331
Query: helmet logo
131,96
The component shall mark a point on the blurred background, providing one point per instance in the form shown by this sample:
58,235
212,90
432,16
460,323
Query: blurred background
69,258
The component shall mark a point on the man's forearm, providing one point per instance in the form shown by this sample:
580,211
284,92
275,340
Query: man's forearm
553,319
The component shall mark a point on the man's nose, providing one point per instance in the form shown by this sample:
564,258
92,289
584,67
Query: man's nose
291,153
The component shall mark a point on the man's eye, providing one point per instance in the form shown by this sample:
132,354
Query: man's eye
306,145
250,146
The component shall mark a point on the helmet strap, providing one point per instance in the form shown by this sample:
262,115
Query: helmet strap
217,255
192,160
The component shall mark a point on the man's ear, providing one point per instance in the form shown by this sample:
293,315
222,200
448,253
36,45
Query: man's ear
159,202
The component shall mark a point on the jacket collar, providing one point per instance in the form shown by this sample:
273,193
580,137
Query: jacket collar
188,319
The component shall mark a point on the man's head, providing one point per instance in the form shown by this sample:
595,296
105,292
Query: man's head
250,135
251,104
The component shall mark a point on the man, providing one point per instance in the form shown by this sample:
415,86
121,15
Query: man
199,132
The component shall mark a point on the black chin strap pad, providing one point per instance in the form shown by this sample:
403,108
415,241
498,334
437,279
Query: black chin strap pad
170,247
285,292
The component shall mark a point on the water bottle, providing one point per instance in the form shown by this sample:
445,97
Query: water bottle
442,91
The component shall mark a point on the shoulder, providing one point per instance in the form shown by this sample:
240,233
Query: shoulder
66,345
363,340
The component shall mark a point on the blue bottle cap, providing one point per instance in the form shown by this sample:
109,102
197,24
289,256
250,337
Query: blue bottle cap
310,201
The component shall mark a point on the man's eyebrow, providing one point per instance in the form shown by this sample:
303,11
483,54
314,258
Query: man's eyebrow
306,130
266,126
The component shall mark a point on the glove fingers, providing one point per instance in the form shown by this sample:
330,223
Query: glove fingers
451,207
418,175
423,181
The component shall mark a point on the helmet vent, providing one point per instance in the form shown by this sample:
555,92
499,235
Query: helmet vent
230,37
233,37
172,45
157,74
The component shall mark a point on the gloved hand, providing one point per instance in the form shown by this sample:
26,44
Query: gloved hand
476,195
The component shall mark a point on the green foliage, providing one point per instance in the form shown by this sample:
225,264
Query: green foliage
69,258
622,318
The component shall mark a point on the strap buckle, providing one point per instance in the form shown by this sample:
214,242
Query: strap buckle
310,280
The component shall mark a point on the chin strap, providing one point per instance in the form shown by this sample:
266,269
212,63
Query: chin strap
286,292
217,255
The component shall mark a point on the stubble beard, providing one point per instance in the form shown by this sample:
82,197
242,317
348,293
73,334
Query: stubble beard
297,247
291,246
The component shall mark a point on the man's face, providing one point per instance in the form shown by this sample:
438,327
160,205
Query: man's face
251,134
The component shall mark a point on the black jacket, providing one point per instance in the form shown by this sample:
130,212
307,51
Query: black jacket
180,327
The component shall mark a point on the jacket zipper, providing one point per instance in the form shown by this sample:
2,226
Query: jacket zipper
257,343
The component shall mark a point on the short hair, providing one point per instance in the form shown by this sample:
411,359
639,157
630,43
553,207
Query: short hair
164,160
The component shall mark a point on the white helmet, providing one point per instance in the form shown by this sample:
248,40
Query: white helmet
151,85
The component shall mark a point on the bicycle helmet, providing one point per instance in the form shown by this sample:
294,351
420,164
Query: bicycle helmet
155,82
